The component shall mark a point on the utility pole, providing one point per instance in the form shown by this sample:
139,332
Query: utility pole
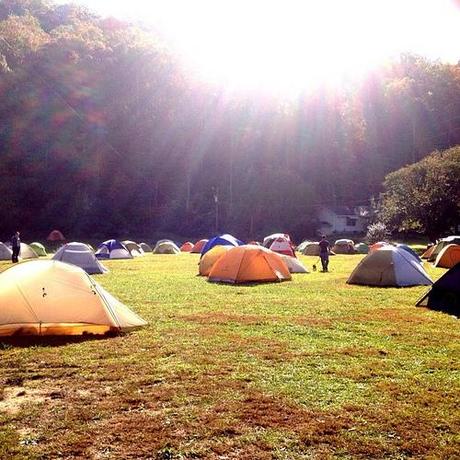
216,202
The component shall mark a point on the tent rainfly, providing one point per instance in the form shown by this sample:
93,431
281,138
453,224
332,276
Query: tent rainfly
389,266
249,264
47,297
82,256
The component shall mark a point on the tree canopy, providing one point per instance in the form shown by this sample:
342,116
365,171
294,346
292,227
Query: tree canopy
104,131
425,196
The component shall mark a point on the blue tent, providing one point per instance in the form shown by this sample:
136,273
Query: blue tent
409,250
221,240
112,249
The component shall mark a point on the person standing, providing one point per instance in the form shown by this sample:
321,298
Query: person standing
324,247
15,247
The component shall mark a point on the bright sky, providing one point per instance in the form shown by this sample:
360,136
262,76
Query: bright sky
293,44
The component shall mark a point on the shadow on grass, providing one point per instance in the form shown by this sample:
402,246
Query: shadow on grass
52,341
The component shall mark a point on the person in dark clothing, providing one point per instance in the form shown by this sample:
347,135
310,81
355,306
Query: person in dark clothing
15,247
324,247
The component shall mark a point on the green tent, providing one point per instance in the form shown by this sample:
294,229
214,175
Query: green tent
362,248
38,248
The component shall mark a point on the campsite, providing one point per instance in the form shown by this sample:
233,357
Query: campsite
230,230
309,367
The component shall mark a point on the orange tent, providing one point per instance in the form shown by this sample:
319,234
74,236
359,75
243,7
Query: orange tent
198,246
379,245
210,258
186,247
428,252
448,257
245,264
55,235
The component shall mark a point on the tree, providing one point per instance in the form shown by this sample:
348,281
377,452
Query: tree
425,196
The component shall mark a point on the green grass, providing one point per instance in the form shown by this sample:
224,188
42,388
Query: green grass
312,368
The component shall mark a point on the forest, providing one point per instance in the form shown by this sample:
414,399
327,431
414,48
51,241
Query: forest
104,132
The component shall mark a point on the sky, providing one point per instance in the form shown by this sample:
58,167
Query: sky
293,43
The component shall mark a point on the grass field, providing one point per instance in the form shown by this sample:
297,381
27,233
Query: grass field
307,369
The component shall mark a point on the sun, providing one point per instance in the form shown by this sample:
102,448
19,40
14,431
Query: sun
289,46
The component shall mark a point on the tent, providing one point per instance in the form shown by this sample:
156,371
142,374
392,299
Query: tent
448,257
134,249
444,295
344,246
47,297
282,245
5,252
245,264
301,246
441,245
362,248
210,258
389,266
428,252
82,256
112,249
409,250
311,249
55,235
27,252
199,245
268,240
187,246
379,245
220,240
145,247
38,248
293,264
166,248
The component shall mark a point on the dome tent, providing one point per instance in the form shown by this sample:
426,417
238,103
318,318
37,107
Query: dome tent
27,252
5,252
210,258
46,297
187,246
268,240
441,245
199,245
145,247
249,264
362,248
282,245
134,249
448,257
112,249
409,250
311,249
444,295
55,235
389,266
39,249
167,247
221,240
344,246
82,256
293,264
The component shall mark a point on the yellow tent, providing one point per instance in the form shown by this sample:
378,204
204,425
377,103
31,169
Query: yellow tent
210,258
46,297
249,263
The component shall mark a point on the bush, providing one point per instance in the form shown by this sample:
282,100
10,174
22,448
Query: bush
376,232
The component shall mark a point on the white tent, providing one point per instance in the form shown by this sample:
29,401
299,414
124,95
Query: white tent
293,264
166,248
47,297
5,252
134,249
82,256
